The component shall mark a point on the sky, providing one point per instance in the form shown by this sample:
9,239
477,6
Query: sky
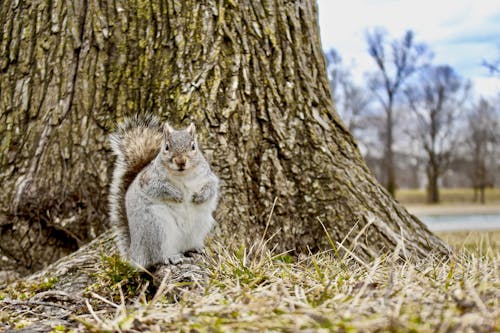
460,33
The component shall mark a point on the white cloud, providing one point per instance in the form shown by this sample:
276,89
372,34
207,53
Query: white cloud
486,86
461,33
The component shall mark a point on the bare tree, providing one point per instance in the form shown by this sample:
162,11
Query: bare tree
493,65
396,62
436,100
351,100
251,75
482,141
335,71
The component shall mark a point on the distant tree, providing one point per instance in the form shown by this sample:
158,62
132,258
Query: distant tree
493,65
396,62
481,142
436,100
351,100
335,70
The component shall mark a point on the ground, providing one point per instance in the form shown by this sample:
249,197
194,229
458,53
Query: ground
233,288
449,196
453,209
453,202
254,290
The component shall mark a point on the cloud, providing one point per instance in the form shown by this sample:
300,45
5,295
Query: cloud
461,33
486,86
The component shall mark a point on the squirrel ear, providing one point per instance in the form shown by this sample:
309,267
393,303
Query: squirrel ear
167,129
191,129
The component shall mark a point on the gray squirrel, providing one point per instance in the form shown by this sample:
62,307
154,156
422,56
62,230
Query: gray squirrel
162,194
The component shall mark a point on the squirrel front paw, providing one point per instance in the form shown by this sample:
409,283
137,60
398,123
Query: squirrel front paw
177,198
198,198
203,194
174,195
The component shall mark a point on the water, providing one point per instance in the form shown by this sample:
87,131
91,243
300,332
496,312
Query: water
462,222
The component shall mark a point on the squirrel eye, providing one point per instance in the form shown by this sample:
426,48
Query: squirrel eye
193,147
166,146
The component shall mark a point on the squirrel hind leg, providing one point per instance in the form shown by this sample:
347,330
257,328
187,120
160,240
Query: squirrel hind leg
175,259
194,252
178,259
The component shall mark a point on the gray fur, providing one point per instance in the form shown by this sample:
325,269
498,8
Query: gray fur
206,192
169,204
126,142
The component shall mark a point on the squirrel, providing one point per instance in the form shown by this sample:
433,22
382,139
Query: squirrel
162,194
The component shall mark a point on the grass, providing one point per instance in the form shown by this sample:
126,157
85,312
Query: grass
252,290
256,290
481,243
447,195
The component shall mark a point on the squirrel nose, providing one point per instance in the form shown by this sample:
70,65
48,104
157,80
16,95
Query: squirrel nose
180,161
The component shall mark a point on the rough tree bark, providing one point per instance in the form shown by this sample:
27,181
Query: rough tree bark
251,74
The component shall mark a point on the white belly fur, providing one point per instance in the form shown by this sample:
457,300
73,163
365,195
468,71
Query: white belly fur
188,222
192,221
173,228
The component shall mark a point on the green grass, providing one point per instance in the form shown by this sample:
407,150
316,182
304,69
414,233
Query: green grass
256,290
447,195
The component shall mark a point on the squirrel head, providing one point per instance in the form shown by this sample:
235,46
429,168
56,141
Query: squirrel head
179,150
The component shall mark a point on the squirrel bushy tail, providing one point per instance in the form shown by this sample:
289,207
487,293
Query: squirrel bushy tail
135,142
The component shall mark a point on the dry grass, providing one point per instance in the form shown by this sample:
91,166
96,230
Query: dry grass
477,242
447,195
255,290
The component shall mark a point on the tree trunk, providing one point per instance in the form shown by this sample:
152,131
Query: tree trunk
433,190
389,153
482,179
432,181
251,75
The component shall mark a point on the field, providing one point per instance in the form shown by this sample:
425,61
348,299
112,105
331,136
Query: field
475,242
255,290
448,196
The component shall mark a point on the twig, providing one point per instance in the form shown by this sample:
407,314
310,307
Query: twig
32,303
